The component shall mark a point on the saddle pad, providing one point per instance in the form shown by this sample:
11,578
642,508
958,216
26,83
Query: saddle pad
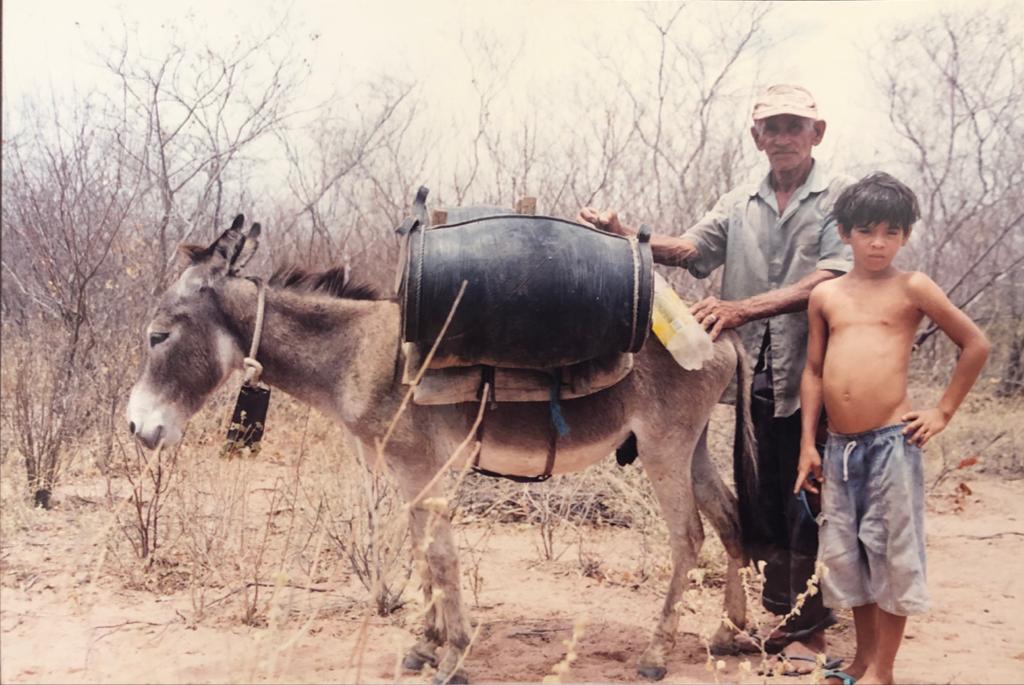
454,385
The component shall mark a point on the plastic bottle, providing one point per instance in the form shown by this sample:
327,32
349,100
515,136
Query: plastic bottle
678,331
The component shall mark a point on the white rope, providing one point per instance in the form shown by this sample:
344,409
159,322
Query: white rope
850,446
253,369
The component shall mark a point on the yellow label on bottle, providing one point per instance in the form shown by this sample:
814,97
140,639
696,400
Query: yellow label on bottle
661,326
668,309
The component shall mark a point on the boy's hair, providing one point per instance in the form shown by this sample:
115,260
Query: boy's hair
873,199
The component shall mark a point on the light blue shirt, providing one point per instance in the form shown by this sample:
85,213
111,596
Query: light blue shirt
762,251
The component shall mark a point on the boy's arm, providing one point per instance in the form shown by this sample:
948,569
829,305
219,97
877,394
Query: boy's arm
811,393
974,348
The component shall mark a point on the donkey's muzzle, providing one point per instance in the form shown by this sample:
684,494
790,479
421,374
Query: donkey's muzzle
149,438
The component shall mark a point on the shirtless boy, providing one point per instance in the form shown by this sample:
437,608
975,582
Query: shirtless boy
861,329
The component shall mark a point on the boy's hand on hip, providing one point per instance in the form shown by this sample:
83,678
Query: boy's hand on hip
924,425
809,468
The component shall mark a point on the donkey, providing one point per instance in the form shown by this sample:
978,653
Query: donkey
333,346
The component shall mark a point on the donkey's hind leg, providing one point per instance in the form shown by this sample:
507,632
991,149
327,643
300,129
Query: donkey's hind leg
719,505
667,463
425,649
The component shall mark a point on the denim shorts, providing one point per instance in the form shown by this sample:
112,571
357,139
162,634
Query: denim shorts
872,522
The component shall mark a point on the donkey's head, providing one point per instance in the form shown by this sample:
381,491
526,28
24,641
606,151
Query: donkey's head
190,349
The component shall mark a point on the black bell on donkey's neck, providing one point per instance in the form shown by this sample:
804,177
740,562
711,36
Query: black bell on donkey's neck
248,419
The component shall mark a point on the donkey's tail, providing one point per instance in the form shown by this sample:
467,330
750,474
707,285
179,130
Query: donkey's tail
744,452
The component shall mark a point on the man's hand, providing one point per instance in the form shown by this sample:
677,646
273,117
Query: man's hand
717,315
810,465
605,221
922,426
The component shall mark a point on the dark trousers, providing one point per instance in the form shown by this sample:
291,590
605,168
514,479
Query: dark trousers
788,541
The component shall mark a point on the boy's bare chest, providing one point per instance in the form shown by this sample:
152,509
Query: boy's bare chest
862,311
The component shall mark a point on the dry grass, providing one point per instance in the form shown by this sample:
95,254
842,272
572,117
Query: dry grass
986,427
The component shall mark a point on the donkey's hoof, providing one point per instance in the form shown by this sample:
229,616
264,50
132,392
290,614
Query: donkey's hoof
724,646
652,672
419,655
457,678
414,661
727,642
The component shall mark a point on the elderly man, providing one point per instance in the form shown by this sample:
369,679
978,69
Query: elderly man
776,241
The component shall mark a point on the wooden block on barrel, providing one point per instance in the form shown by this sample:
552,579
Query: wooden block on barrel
526,205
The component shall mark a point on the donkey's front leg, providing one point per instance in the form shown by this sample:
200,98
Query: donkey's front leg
443,565
425,649
431,531
669,474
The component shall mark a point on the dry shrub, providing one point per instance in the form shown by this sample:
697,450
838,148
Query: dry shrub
987,430
471,556
156,488
19,515
563,508
150,475
237,520
45,407
210,511
364,519
182,513
605,494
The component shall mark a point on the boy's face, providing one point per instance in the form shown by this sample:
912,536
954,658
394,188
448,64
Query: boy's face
875,246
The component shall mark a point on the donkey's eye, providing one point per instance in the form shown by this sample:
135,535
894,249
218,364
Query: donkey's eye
157,338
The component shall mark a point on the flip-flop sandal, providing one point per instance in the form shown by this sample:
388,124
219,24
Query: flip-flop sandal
843,677
830,665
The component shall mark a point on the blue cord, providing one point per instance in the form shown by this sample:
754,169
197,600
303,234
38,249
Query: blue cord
802,496
557,418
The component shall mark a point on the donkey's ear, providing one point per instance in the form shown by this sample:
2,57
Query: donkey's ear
250,244
232,240
229,244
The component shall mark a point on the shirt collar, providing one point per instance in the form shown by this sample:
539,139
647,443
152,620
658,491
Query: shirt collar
817,182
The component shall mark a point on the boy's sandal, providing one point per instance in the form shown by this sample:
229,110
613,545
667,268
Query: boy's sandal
842,676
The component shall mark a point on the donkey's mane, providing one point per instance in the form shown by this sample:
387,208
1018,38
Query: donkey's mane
333,281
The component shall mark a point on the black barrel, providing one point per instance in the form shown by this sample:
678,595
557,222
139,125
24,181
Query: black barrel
542,292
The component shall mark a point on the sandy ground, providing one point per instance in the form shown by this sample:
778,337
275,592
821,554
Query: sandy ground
62,622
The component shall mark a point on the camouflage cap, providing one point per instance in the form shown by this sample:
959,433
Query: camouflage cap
785,99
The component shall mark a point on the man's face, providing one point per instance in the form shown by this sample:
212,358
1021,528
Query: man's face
787,140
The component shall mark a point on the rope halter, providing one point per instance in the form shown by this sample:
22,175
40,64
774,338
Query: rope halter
253,369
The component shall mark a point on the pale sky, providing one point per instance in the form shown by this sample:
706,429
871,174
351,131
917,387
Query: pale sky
51,44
